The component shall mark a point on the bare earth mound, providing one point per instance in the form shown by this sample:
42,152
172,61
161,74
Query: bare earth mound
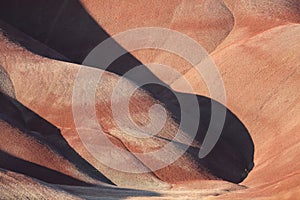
255,46
50,99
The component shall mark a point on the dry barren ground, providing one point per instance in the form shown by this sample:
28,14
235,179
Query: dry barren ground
254,44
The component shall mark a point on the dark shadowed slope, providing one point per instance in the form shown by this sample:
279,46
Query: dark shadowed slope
258,61
56,24
124,64
59,112
19,186
36,140
29,43
260,66
11,163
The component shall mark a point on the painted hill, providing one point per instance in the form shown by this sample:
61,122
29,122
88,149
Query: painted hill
255,46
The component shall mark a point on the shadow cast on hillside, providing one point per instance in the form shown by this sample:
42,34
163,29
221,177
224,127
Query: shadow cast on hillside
13,112
65,182
45,174
67,28
19,116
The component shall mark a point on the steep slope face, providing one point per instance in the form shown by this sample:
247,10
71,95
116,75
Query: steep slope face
260,68
6,86
207,22
212,20
270,104
52,100
259,64
254,17
14,35
27,137
49,93
73,28
206,28
250,19
18,186
54,88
